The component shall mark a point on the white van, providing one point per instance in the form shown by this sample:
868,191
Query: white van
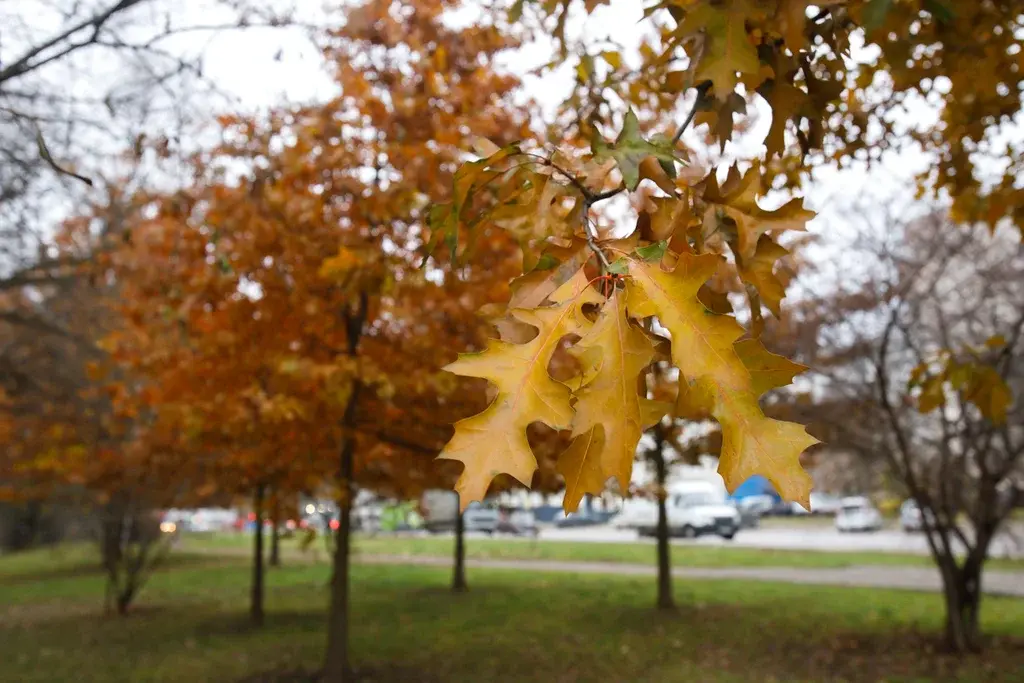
693,508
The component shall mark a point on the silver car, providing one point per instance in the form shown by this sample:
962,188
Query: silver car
912,517
481,518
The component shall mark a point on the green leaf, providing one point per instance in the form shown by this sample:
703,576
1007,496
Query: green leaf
630,148
546,262
667,165
585,69
516,11
653,252
620,267
875,12
444,226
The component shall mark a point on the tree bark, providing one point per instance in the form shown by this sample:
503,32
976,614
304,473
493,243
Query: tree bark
336,669
665,599
256,597
459,584
962,592
275,536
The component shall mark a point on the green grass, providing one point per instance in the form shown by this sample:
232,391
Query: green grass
683,555
190,626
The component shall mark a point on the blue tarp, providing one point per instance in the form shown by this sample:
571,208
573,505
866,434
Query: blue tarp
755,486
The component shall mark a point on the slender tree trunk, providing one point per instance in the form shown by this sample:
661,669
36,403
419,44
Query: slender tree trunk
275,536
665,599
459,584
336,669
336,664
256,598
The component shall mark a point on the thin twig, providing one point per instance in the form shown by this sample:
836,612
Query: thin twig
44,152
587,194
702,90
592,239
607,194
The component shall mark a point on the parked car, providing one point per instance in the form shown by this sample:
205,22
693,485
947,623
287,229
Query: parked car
749,519
693,508
583,517
912,517
755,506
857,513
440,509
480,517
516,521
825,503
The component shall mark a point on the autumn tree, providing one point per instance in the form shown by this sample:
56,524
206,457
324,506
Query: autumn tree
918,366
81,81
299,322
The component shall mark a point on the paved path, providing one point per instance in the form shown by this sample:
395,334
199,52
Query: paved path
865,576
799,535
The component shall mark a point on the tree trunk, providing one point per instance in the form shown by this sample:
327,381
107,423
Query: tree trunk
124,599
459,584
665,599
256,598
962,592
336,669
275,536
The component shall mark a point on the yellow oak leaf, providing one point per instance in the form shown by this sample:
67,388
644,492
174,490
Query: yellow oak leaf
792,18
767,370
739,204
759,272
339,265
543,211
494,441
717,380
989,392
533,288
620,351
786,101
727,49
579,466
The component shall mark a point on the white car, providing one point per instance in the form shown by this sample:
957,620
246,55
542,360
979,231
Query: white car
911,517
693,508
858,514
478,517
825,503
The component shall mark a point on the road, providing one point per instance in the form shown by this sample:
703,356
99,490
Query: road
800,535
866,576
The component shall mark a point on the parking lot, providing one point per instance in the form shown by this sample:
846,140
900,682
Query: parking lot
798,535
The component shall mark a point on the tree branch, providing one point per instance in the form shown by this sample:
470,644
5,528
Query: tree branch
24,64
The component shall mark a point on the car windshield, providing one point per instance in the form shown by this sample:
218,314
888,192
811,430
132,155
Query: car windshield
693,499
857,507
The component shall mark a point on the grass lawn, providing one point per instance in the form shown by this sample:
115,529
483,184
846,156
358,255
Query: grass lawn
683,555
190,626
